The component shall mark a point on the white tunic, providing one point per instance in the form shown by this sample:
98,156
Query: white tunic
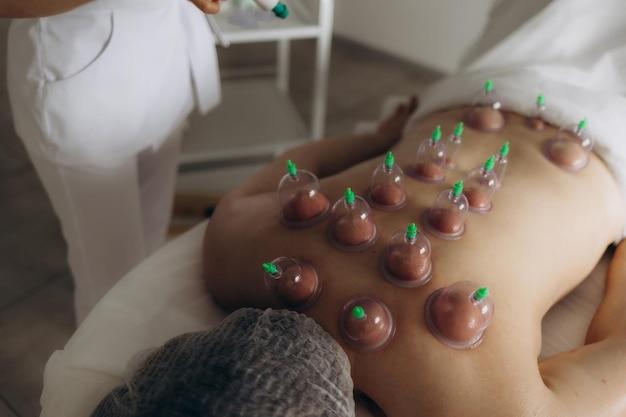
110,78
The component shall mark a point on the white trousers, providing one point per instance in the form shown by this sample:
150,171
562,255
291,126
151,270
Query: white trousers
93,91
112,218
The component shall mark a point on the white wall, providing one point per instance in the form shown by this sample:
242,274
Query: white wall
433,33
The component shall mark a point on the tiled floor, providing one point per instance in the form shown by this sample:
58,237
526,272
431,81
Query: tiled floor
35,286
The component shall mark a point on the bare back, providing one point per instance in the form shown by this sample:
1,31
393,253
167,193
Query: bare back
545,233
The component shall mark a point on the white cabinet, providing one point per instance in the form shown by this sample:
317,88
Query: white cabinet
256,118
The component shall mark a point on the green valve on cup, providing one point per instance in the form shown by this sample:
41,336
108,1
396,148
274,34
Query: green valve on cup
411,231
389,160
270,268
489,163
457,189
504,150
292,169
488,87
481,293
349,196
541,101
436,135
458,129
358,312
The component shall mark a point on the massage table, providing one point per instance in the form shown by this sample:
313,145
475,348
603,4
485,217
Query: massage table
164,297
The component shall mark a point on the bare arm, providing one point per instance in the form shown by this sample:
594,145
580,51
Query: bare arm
610,319
591,380
331,156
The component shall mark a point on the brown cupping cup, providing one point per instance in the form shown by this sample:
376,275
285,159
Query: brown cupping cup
536,123
567,154
446,221
477,199
430,171
305,206
405,263
297,286
484,118
387,194
371,332
352,230
455,318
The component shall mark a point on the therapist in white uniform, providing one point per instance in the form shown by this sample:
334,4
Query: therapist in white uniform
100,92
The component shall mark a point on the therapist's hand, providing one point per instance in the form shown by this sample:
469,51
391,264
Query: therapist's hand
207,6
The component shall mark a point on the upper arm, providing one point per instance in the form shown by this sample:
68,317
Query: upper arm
267,178
324,158
610,318
590,381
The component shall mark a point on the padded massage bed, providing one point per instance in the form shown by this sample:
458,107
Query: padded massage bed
164,297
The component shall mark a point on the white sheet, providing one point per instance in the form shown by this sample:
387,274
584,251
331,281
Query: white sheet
164,297
574,52
161,298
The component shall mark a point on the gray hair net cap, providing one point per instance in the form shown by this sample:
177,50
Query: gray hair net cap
272,363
